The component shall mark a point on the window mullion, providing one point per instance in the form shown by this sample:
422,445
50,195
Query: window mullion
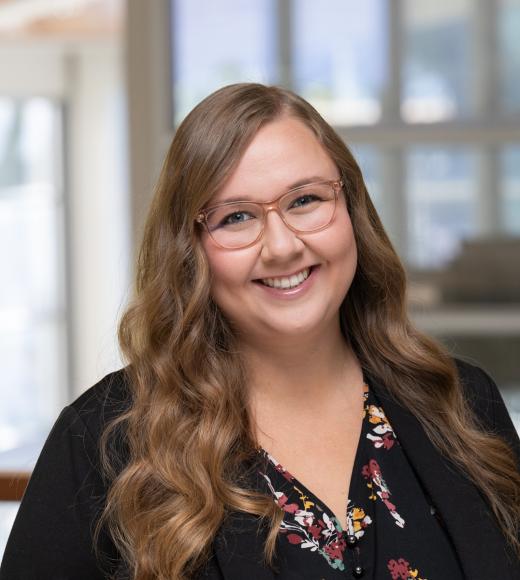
391,98
394,205
485,55
285,44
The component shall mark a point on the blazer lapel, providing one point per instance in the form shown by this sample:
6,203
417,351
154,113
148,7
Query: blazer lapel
477,539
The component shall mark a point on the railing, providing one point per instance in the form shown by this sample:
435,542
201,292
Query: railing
13,484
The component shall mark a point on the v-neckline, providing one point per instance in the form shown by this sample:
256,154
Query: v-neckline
356,470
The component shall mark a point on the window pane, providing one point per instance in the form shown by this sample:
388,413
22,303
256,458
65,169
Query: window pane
509,54
218,43
436,60
339,57
510,171
441,193
32,291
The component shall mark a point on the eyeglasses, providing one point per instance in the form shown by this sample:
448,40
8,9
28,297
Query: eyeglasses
304,209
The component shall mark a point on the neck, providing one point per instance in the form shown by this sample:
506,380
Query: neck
297,372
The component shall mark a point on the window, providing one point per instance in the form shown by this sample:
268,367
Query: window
510,200
340,63
249,53
32,296
441,192
33,332
427,96
437,60
508,26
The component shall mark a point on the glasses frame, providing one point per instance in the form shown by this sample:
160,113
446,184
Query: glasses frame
273,205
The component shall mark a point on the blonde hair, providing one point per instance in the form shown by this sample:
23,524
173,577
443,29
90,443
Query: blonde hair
188,430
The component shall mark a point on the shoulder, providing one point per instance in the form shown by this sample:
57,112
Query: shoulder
480,390
52,536
472,376
102,402
485,399
80,424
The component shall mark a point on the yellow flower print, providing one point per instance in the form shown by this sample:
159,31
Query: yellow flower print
307,503
376,415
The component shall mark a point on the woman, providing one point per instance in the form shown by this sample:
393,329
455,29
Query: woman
279,417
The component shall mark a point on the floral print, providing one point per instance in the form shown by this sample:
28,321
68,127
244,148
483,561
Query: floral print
400,570
310,526
357,520
315,531
381,433
372,472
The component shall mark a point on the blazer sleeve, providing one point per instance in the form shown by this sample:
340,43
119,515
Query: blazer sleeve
52,536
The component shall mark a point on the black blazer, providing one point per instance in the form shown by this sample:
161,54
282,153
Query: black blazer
52,535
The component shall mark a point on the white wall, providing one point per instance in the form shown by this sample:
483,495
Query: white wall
98,209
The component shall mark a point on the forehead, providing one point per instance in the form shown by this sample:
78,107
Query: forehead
283,154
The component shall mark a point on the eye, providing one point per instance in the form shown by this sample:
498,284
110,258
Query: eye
236,217
305,200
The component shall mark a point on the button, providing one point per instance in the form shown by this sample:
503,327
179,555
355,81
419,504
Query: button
357,572
433,511
351,540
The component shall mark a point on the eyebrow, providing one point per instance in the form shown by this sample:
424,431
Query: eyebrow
298,183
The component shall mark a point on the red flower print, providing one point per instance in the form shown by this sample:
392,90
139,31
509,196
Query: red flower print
294,539
371,470
315,531
335,549
398,569
287,507
377,484
384,495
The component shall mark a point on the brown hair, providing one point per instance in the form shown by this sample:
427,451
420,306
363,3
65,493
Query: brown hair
188,428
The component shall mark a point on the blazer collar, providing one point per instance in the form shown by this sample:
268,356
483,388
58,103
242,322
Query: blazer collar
478,541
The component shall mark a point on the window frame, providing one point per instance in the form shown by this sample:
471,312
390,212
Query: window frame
149,35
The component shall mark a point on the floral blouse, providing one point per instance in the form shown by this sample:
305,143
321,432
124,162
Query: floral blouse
393,532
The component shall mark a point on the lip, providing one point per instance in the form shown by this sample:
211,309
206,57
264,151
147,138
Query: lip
291,293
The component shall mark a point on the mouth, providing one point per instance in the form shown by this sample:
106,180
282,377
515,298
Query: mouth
287,282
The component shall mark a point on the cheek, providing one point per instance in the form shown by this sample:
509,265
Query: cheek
229,271
343,242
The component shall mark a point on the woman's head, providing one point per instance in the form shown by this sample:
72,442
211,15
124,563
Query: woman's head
252,141
315,267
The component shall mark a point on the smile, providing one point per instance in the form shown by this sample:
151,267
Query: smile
287,282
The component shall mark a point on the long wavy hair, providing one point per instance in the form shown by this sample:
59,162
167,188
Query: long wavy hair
188,429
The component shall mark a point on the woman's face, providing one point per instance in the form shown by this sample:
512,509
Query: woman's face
282,153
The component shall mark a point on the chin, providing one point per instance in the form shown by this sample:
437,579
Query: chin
299,330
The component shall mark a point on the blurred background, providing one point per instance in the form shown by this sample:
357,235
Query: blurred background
427,94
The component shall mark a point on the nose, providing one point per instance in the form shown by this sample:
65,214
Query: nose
278,241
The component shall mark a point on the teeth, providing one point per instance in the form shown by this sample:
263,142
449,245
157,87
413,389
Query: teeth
287,282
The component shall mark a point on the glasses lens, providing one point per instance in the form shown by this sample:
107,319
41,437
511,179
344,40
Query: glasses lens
235,225
309,208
